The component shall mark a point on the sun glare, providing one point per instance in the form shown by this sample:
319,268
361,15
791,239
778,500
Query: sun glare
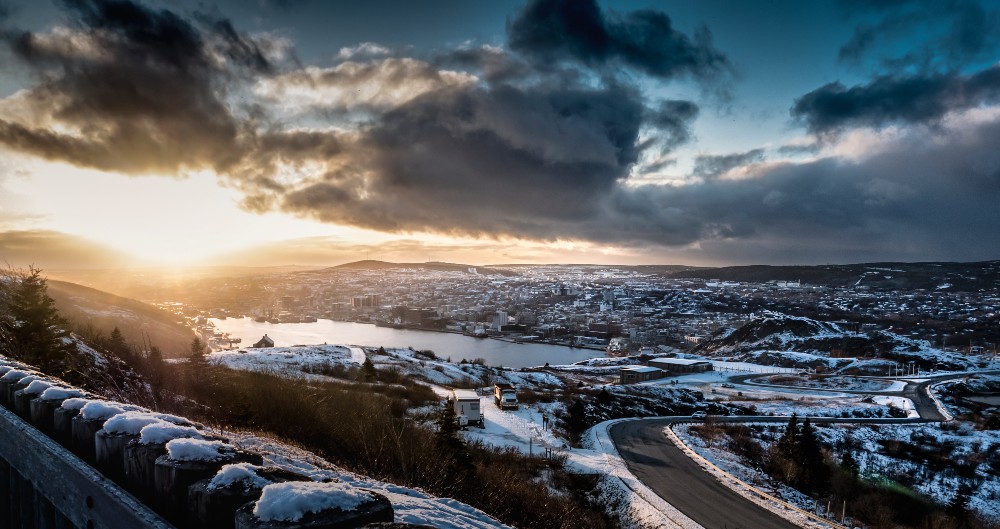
160,220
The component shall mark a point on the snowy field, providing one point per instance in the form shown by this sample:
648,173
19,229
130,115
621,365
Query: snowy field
288,359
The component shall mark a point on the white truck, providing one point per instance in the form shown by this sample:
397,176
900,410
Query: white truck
505,396
467,408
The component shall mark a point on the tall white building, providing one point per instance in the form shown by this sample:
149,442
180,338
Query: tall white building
499,319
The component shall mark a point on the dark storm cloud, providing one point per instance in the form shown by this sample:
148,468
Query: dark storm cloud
937,36
145,89
133,89
932,197
672,121
921,99
469,162
709,166
549,32
943,43
483,161
495,65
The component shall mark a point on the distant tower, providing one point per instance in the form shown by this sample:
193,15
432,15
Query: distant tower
499,319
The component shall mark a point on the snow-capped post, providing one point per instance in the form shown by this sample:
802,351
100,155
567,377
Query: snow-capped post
62,420
212,503
24,397
43,408
141,456
186,462
298,505
7,381
118,432
86,425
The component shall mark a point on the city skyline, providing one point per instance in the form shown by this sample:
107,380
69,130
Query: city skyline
302,132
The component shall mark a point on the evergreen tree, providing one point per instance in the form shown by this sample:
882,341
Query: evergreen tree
452,450
958,507
197,351
368,371
155,368
117,345
448,425
197,365
576,420
783,462
809,456
36,335
788,443
849,463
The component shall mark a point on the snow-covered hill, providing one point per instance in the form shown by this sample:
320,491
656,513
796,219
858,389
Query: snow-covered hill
792,341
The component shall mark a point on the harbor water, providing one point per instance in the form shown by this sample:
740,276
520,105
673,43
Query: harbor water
445,345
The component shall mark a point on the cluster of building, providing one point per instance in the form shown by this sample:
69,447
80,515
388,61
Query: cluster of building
622,309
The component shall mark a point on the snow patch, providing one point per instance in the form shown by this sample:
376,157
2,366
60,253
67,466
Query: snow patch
103,410
75,403
244,473
195,450
132,422
289,502
61,393
36,387
163,432
14,375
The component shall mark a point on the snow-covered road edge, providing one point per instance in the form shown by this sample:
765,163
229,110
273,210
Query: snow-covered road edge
942,409
628,498
779,507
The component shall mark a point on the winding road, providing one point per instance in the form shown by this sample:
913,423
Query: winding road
681,482
677,479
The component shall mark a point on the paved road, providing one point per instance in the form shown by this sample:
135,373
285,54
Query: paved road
670,473
915,391
682,483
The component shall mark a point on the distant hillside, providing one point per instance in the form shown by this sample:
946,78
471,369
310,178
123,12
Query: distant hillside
791,341
151,283
966,277
83,305
371,264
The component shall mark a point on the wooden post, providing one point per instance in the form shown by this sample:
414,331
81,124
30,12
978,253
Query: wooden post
22,403
62,425
109,453
140,460
83,432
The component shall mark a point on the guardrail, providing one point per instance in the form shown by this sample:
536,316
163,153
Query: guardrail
45,486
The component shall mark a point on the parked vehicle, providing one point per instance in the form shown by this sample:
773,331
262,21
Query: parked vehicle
467,408
505,396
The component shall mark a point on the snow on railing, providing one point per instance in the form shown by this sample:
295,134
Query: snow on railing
60,449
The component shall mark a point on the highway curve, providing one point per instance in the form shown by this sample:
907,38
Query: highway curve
670,473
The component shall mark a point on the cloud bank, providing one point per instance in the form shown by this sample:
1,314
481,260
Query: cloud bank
540,139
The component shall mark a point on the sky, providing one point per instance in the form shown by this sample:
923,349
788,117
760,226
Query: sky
269,132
